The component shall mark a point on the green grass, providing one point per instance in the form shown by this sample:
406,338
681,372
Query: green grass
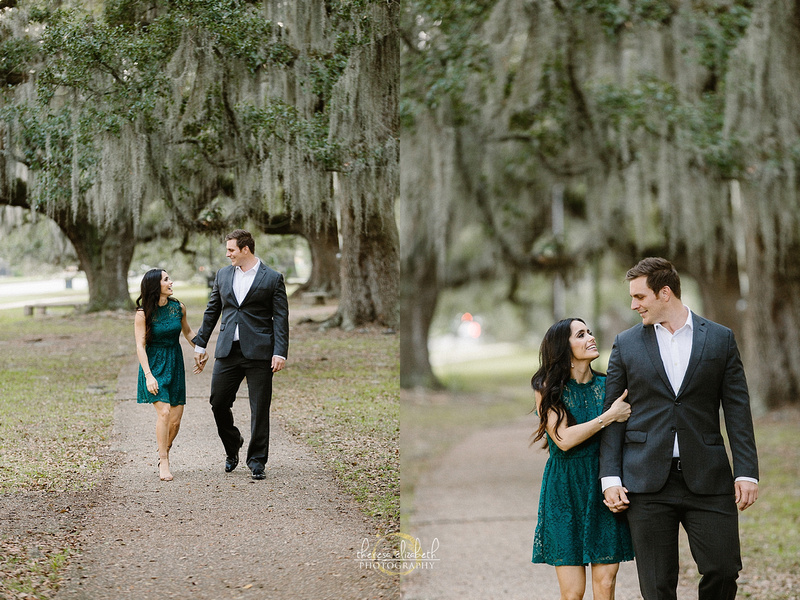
30,574
770,529
341,394
57,397
491,373
58,376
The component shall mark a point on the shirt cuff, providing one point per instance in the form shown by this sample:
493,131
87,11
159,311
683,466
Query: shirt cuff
607,482
750,479
278,356
199,349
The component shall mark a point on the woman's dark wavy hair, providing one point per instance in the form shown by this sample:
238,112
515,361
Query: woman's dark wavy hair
555,356
148,299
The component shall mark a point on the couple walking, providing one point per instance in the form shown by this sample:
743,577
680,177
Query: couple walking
253,342
638,452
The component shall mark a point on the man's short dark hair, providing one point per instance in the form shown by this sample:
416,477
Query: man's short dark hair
243,238
659,273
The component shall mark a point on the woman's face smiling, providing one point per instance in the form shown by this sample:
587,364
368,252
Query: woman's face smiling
582,342
166,285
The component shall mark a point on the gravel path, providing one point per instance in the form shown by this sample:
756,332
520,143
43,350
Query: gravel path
479,505
212,535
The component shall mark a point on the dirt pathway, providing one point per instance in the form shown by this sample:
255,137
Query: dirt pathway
212,535
478,509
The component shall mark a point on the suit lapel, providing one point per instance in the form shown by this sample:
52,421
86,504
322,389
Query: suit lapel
228,286
698,343
260,274
651,343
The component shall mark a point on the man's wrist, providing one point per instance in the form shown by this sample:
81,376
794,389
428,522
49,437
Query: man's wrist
750,479
199,349
611,481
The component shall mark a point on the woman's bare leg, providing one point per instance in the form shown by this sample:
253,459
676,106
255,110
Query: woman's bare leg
571,582
604,581
162,439
175,416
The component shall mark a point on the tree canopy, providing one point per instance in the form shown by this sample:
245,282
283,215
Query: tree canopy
214,110
661,121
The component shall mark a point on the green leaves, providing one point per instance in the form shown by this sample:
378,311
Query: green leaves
655,106
280,122
16,55
442,51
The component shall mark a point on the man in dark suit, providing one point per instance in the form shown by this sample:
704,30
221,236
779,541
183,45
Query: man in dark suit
253,342
667,464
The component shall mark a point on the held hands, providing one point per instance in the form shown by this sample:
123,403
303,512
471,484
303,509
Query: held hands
200,361
616,498
619,410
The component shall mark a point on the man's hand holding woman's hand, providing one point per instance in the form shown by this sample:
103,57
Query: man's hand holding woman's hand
616,498
200,361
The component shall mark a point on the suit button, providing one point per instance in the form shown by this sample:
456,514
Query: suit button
677,402
673,429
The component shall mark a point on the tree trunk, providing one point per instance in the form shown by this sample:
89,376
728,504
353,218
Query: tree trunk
105,256
771,353
323,242
369,271
419,293
761,114
325,272
365,122
719,290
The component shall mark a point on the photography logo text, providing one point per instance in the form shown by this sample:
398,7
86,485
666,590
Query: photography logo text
397,554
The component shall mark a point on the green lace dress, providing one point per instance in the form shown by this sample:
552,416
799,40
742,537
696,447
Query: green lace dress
165,357
574,526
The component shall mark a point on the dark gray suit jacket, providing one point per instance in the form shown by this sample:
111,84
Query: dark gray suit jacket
640,450
263,316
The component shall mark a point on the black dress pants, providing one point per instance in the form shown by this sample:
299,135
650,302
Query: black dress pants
225,381
712,525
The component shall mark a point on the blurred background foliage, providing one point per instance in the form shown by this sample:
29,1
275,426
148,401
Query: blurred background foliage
549,146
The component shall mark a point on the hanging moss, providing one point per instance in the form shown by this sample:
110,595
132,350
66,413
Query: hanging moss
178,95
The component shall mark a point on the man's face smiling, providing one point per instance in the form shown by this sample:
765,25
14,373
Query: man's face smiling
645,301
234,253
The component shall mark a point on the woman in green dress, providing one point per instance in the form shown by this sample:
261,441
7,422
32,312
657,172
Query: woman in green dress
159,322
574,527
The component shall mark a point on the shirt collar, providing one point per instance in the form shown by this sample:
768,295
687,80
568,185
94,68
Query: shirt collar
689,324
253,268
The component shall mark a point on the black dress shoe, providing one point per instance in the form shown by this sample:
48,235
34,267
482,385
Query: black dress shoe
232,461
259,474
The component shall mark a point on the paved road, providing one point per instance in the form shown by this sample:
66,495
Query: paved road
479,506
212,535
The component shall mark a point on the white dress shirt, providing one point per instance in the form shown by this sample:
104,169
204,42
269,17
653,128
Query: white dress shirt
242,282
675,349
